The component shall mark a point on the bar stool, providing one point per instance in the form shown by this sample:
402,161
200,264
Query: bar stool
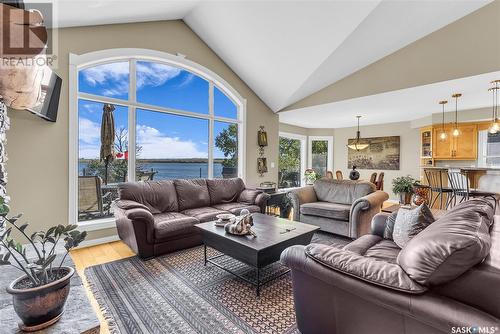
460,183
435,181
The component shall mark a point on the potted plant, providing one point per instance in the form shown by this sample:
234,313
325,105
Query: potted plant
40,294
403,186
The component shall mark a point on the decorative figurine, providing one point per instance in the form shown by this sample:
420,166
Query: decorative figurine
242,226
354,174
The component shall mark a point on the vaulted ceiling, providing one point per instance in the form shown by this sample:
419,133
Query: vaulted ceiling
287,50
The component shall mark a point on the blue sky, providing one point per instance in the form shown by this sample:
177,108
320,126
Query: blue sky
161,135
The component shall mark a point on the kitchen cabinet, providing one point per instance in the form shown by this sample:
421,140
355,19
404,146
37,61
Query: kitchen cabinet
462,147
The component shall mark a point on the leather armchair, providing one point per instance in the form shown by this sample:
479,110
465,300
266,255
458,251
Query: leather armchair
342,207
361,288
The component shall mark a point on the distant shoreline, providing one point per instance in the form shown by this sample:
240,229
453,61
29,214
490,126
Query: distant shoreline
148,161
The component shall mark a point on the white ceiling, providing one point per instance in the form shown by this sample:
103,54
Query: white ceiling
286,50
396,106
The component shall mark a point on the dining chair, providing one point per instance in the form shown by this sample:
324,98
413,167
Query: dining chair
373,178
329,174
339,175
380,181
460,183
435,181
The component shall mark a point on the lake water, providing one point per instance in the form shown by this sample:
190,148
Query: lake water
174,170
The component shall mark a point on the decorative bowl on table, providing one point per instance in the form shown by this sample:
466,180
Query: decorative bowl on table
224,218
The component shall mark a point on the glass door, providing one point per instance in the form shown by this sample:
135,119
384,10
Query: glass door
292,149
320,154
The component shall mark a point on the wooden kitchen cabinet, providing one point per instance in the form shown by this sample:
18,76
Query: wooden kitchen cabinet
463,147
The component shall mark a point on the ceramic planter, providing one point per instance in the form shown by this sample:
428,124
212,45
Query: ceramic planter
41,306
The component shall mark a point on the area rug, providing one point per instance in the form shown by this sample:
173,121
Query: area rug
176,293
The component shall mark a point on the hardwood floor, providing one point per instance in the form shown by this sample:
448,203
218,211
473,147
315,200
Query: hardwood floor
91,256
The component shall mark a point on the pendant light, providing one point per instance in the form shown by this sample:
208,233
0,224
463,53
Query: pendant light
357,145
456,130
443,135
495,124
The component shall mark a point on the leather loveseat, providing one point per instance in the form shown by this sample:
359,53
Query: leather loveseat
342,207
157,217
445,280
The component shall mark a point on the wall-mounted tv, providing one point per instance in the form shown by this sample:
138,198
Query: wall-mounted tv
48,101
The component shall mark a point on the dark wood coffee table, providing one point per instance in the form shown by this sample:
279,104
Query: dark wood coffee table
273,236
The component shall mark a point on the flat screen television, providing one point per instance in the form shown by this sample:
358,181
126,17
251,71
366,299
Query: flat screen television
48,101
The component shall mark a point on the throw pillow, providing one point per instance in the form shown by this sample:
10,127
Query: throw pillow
389,225
410,222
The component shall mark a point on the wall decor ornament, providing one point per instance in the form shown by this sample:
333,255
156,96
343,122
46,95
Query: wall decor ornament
381,153
262,142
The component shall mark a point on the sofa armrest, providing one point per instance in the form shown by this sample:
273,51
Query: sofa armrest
136,228
378,224
362,211
301,196
261,201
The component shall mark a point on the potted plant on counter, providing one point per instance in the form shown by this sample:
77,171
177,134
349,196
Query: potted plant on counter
403,186
40,294
311,176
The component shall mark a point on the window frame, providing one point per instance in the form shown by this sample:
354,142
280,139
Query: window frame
329,139
80,62
482,150
303,152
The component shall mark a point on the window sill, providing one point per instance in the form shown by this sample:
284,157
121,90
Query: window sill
97,224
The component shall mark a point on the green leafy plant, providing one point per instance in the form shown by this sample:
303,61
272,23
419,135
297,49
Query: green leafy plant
311,175
41,270
404,184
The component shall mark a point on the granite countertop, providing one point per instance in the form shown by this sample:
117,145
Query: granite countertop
463,168
78,317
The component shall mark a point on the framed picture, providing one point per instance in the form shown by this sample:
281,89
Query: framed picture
262,165
382,153
262,137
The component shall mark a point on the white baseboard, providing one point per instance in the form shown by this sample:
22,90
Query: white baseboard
98,241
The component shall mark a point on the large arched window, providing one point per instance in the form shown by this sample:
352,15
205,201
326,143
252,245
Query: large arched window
172,119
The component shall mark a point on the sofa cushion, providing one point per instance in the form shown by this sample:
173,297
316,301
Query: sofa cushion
368,269
249,196
342,191
192,193
224,190
171,224
157,196
451,245
410,222
389,225
203,214
235,207
327,210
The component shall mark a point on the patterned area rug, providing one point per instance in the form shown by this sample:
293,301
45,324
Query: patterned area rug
176,293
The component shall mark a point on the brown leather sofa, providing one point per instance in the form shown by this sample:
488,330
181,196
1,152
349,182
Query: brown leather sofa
157,217
445,280
342,207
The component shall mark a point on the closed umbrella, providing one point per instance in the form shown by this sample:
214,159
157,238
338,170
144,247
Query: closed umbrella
107,138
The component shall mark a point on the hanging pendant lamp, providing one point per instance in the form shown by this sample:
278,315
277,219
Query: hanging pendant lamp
357,145
495,123
456,130
443,135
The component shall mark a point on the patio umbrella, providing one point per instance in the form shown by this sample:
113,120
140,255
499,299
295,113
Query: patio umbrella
107,137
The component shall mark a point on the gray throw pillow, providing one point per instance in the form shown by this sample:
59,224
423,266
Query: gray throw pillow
410,222
389,225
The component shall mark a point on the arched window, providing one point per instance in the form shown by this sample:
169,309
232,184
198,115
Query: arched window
172,119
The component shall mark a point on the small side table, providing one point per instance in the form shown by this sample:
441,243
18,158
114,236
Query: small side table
395,207
274,202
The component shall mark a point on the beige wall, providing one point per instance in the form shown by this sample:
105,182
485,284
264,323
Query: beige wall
409,155
38,150
409,150
466,47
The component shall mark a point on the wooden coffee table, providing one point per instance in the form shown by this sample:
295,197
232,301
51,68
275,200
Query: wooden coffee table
273,236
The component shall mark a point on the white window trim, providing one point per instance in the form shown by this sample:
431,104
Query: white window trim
329,139
78,62
303,152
